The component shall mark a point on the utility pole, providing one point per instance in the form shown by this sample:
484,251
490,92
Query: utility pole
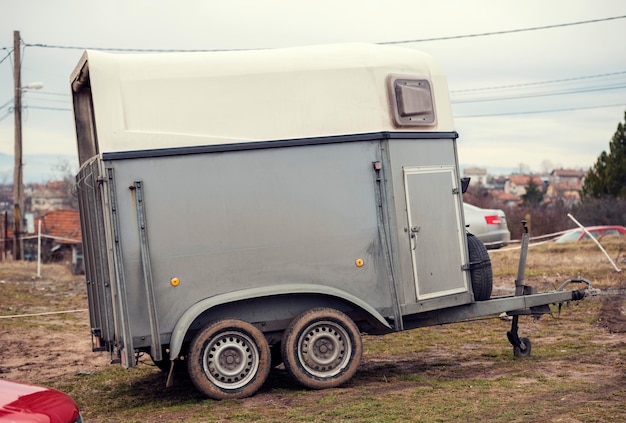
18,184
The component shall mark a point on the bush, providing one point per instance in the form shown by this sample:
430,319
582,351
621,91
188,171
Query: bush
547,219
601,211
542,219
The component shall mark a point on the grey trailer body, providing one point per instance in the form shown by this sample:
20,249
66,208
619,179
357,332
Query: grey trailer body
264,239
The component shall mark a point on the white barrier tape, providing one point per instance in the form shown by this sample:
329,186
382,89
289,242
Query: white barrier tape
42,314
519,247
77,241
517,241
617,269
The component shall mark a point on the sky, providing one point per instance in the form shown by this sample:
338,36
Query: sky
528,100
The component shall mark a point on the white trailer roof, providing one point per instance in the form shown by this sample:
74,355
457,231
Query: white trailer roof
164,100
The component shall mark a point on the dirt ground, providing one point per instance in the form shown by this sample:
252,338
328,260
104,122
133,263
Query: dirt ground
36,355
44,348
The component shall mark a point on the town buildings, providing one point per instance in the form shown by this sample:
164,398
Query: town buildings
51,224
560,185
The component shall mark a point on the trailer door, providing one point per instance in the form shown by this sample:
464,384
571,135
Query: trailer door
435,231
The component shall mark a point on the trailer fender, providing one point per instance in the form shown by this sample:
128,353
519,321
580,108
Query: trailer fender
185,321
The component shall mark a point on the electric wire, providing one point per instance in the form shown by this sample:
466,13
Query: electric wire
6,104
531,112
62,109
7,55
465,101
45,93
527,84
452,92
509,31
50,93
452,37
548,94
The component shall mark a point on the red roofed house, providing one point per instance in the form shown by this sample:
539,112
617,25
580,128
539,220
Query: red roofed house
516,184
565,185
61,239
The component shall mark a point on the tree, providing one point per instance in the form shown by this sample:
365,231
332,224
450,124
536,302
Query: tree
534,194
547,166
66,176
607,178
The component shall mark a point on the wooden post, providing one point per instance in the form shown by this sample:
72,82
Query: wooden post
18,185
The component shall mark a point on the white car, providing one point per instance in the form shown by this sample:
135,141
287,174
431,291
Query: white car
489,225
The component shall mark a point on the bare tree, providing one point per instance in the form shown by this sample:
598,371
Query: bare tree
65,173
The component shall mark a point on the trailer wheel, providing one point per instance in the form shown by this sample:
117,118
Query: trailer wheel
524,349
480,268
322,348
229,359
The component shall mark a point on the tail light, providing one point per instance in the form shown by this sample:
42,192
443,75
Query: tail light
493,220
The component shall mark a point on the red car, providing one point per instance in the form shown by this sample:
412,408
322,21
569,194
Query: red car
28,403
597,232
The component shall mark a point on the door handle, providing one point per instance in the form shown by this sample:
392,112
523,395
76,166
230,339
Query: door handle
414,231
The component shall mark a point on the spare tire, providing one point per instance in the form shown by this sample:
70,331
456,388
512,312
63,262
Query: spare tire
480,268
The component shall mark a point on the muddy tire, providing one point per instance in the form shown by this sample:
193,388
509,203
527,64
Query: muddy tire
229,359
322,348
480,269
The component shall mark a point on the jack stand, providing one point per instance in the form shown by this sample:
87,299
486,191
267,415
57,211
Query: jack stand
521,346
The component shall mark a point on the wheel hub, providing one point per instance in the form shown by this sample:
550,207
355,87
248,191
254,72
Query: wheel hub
230,360
323,349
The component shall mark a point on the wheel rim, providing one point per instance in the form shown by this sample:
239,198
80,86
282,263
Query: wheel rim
231,360
324,349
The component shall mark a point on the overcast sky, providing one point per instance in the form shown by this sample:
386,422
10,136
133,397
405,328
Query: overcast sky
508,108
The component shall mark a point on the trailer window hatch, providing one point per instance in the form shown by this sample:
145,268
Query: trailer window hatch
412,101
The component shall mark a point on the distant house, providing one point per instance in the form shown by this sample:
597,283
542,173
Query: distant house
477,175
61,238
497,182
48,197
505,198
571,176
516,184
563,191
565,185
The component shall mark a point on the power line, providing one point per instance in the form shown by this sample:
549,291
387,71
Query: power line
6,104
8,112
582,90
131,50
509,31
548,94
398,42
528,84
45,93
7,56
53,93
453,37
456,117
539,111
62,109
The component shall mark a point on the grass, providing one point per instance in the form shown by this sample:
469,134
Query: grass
563,261
461,372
